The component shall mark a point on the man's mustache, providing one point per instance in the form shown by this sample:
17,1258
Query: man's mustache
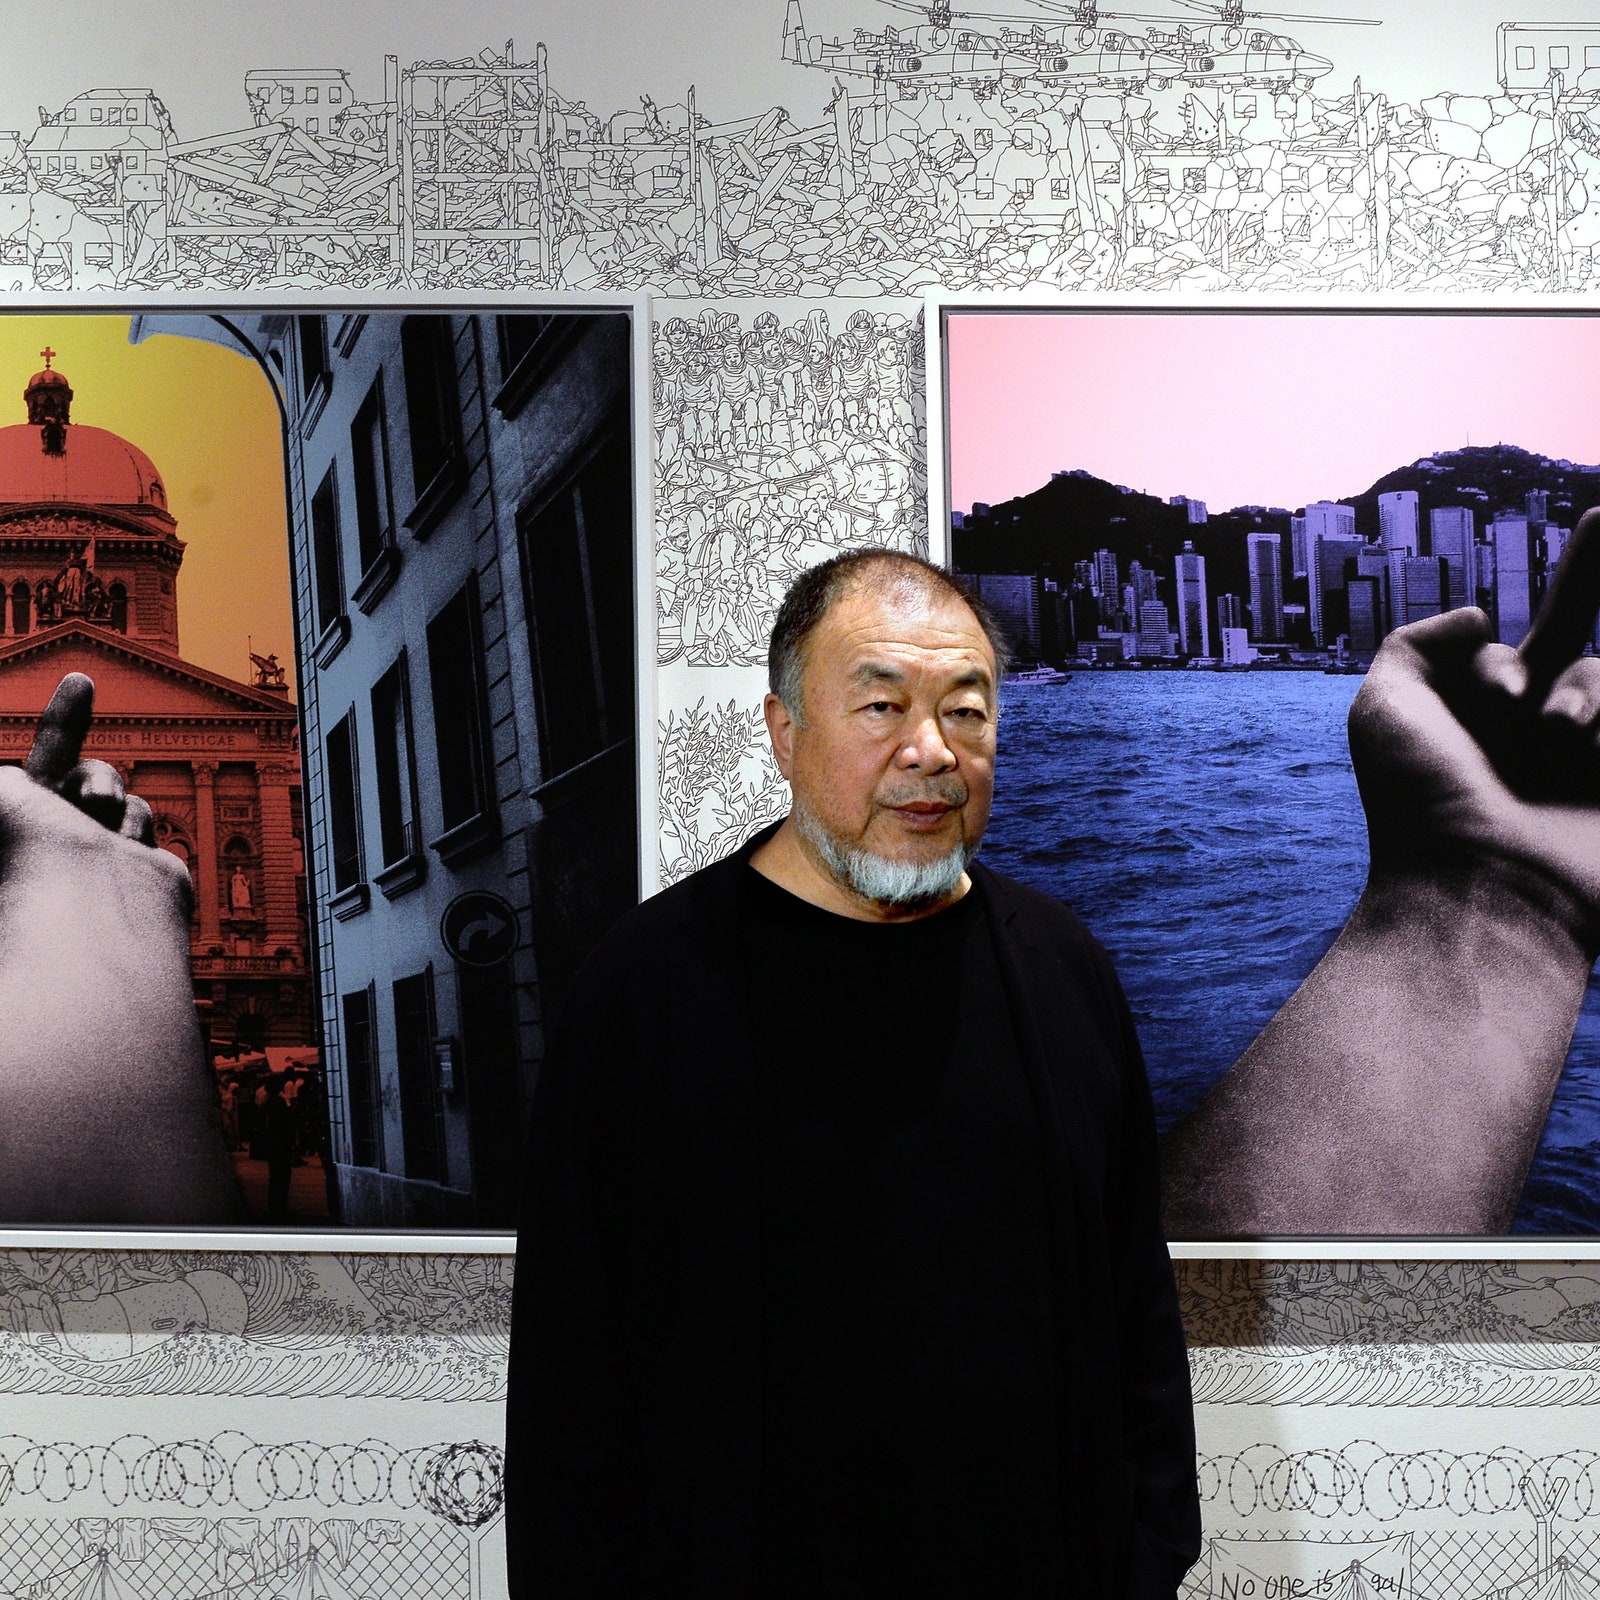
946,792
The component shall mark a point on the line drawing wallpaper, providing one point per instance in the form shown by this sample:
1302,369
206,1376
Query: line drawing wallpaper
787,178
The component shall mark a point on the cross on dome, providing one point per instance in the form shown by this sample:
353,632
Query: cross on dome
49,356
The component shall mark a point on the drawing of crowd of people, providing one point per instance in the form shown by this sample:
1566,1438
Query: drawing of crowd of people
776,445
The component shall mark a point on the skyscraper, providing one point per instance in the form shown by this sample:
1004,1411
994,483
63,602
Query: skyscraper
1299,555
1450,533
1105,572
1513,578
1326,519
1364,600
1372,566
1155,632
1017,600
1329,555
1425,587
1194,625
1398,521
1230,613
1264,554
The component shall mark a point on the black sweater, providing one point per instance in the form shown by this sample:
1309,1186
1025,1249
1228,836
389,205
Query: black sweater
634,1460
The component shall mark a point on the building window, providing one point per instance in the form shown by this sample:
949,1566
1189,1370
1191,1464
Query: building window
518,336
577,563
315,373
396,765
344,805
361,1078
460,712
311,97
421,1105
325,556
119,607
433,410
21,607
369,447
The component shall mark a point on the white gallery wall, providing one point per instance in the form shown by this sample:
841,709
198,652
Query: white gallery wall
205,1418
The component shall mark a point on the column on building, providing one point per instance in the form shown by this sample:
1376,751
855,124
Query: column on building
204,865
274,780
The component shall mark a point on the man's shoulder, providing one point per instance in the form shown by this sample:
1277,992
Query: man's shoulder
680,918
1019,904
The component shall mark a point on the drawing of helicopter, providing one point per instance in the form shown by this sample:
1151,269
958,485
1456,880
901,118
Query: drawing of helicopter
967,47
1076,51
941,51
1234,52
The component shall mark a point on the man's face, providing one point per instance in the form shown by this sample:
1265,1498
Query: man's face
895,754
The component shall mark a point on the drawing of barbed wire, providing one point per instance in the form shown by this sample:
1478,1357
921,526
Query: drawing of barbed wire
718,784
1363,1479
777,446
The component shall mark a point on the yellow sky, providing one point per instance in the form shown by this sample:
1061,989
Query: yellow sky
207,419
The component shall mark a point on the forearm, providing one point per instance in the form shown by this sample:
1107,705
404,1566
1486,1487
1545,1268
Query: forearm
1403,1087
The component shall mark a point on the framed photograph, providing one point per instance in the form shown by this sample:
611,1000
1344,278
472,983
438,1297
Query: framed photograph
1202,527
362,591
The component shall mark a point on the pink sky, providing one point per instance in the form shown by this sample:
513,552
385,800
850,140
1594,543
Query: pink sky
1256,408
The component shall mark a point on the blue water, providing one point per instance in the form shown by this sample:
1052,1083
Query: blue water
1207,828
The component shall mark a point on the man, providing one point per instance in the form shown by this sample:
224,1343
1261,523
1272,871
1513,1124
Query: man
841,1272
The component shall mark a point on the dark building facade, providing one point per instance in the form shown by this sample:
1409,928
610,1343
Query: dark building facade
462,536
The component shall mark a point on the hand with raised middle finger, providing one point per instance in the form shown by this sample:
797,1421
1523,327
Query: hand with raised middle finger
107,1109
1474,758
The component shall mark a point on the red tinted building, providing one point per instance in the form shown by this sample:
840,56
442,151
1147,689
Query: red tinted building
89,559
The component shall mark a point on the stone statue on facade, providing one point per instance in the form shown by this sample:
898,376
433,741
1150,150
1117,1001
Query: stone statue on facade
269,675
72,584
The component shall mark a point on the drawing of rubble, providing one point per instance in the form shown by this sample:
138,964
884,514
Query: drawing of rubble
956,149
777,445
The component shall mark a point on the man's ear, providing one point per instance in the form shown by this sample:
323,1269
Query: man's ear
780,729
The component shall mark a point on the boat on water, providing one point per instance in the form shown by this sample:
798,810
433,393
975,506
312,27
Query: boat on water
1039,674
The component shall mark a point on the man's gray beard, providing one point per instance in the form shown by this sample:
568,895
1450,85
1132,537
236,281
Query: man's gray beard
903,885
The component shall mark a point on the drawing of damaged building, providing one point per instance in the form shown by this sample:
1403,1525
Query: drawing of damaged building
1082,151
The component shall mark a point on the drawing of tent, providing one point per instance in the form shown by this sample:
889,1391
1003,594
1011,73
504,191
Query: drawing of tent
1353,1584
313,1583
103,1583
1564,1584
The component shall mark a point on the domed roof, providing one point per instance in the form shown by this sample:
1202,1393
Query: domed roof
49,377
96,468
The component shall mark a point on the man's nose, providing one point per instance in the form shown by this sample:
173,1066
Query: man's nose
924,747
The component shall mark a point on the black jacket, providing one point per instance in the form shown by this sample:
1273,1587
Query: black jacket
633,1456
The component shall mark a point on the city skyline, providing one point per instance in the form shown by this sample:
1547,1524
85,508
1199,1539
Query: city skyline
1259,408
